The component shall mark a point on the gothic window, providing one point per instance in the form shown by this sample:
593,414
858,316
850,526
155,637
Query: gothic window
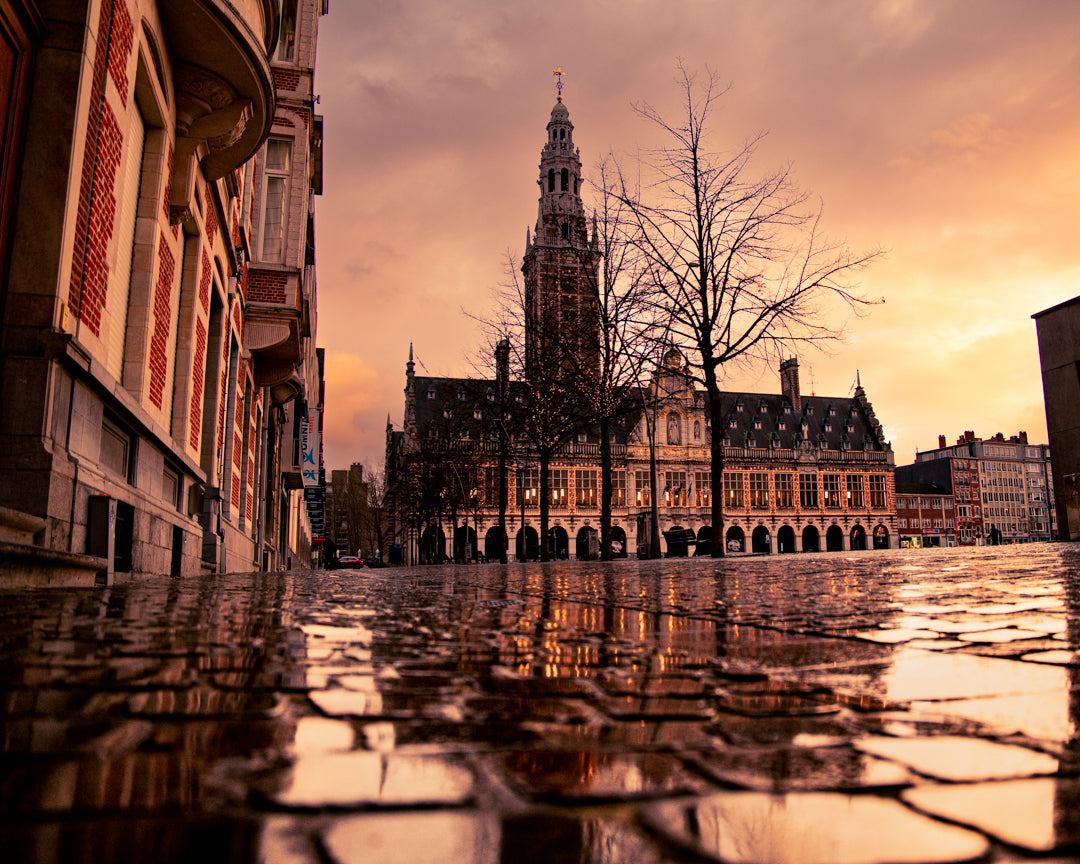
673,434
565,176
551,180
566,231
575,185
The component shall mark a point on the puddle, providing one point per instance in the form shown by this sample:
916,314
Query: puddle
576,775
322,735
825,767
361,778
1040,815
812,828
415,838
949,757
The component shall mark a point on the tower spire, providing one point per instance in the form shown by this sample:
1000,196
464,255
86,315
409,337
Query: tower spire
558,73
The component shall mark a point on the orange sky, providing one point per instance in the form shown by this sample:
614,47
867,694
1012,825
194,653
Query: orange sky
946,133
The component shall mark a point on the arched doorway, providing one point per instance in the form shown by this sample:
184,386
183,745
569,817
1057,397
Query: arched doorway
834,539
785,539
558,543
494,543
735,540
881,537
587,547
704,540
858,538
760,539
432,546
811,539
465,543
618,542
528,544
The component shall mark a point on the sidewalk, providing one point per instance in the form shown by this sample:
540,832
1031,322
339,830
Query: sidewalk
905,706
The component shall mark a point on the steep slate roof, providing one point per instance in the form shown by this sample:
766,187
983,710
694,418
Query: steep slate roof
828,421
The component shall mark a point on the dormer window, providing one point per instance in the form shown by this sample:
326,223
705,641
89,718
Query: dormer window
478,414
787,409
582,437
733,424
430,392
490,395
810,409
850,427
738,407
764,408
446,413
828,427
832,412
757,424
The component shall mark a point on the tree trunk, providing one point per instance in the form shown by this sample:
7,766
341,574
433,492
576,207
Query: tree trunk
545,490
654,504
605,488
716,453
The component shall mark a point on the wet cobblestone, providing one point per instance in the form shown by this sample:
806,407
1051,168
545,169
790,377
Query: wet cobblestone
910,706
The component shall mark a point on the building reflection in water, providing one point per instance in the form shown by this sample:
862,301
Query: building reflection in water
118,705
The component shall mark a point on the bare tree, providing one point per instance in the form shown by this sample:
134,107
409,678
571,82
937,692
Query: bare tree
610,379
542,348
737,263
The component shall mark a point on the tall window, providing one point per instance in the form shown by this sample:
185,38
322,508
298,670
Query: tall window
560,487
785,491
287,36
831,486
855,490
275,197
618,488
643,489
759,490
529,490
808,494
703,488
675,488
733,490
584,488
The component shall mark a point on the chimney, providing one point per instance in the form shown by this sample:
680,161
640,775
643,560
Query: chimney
941,442
1023,438
789,383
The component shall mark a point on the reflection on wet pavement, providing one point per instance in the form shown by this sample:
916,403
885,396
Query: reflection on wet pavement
905,706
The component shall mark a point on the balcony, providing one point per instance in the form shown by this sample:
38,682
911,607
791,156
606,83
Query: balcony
224,86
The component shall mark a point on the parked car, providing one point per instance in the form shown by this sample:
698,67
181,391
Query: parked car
350,561
374,562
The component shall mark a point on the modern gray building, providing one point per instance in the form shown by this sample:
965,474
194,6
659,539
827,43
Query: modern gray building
1058,330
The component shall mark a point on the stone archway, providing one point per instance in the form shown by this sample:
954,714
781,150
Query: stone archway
834,539
465,543
811,539
618,542
735,539
881,537
858,538
587,545
432,545
528,544
760,540
785,539
558,543
704,540
494,543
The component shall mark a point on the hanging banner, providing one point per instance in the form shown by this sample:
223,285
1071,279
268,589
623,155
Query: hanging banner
309,448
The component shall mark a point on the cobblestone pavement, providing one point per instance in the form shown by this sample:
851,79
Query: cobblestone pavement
908,706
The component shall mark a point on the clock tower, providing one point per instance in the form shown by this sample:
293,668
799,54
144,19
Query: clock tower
561,263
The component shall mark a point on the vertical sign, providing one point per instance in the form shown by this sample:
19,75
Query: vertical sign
309,449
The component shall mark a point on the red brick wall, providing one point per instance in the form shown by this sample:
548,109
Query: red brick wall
286,79
198,371
211,217
265,286
159,339
101,161
204,282
123,33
